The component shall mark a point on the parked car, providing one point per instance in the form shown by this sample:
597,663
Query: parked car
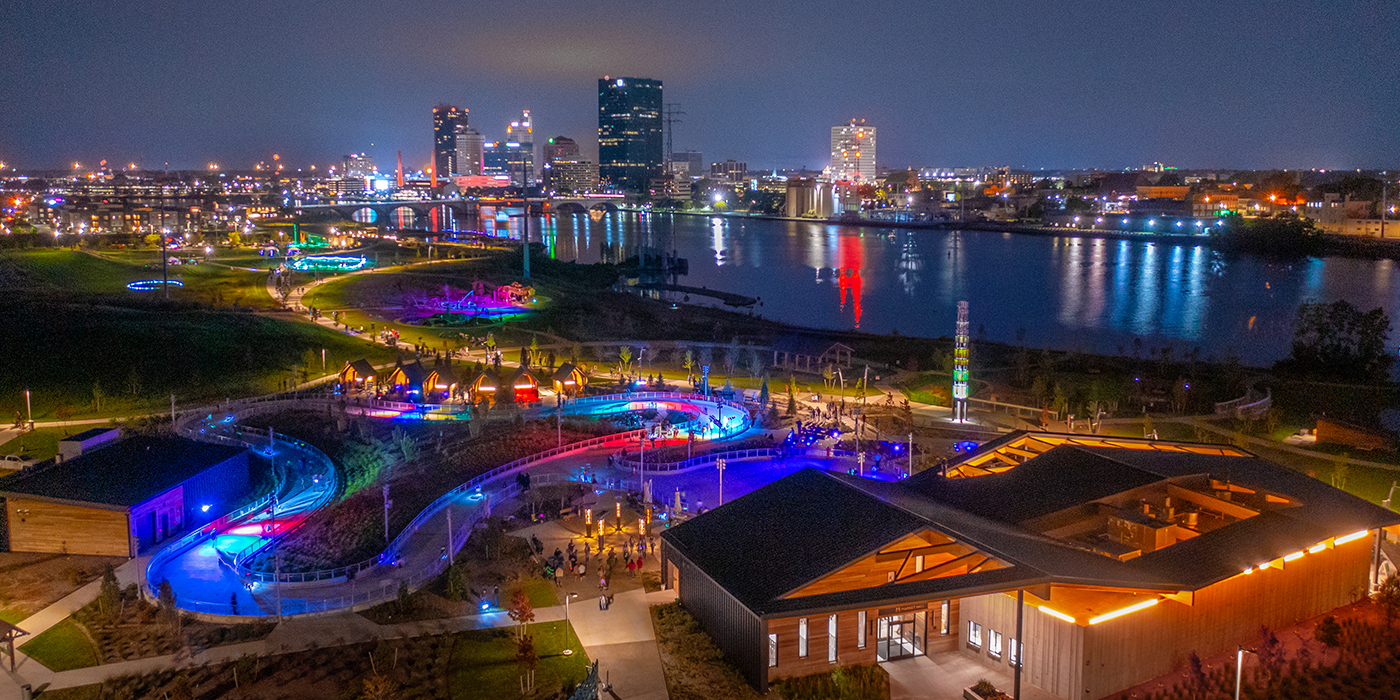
13,462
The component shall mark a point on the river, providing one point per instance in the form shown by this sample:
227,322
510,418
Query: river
1062,292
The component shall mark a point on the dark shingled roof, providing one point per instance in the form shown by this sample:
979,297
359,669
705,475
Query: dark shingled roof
798,529
124,473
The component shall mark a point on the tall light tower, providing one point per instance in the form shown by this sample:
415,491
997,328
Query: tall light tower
960,355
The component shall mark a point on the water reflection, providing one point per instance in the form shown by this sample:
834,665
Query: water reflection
1066,292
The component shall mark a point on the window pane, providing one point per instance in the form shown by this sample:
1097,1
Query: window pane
974,635
860,629
831,638
943,626
994,644
802,638
772,649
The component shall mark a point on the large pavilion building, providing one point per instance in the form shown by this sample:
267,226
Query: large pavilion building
1125,556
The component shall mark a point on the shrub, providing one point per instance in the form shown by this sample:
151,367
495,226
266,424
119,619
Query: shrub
861,682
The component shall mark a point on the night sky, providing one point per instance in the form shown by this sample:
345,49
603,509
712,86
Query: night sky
1206,84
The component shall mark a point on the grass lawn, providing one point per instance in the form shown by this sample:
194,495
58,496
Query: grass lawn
11,616
109,272
38,444
62,647
483,662
541,593
82,692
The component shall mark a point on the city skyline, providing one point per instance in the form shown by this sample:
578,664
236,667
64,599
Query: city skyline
1294,85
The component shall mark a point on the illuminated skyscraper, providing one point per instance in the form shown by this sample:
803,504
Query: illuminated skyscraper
520,143
359,165
629,132
448,122
469,151
853,152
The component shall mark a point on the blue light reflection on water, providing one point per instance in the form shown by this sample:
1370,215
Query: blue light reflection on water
1065,292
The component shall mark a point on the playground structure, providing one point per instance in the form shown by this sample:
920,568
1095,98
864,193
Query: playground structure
458,307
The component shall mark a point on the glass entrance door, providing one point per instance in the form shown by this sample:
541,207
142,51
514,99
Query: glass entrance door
900,636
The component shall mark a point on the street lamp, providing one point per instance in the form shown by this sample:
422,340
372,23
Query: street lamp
29,409
567,651
719,463
1239,664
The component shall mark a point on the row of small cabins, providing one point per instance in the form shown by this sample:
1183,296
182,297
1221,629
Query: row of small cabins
443,381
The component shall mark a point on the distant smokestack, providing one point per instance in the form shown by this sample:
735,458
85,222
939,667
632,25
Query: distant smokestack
400,170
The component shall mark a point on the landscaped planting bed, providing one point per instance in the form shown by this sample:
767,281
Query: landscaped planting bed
352,530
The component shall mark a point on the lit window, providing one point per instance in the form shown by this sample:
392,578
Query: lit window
943,627
831,638
994,644
974,635
1016,659
802,638
772,650
919,564
860,629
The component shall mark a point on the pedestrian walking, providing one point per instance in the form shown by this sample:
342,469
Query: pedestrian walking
602,602
559,577
602,584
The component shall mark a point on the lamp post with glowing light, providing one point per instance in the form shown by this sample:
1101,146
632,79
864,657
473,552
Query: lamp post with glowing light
719,464
1239,665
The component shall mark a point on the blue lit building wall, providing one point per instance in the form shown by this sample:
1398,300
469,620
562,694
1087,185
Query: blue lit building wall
629,132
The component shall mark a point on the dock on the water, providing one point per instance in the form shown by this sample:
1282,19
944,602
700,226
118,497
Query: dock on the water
727,298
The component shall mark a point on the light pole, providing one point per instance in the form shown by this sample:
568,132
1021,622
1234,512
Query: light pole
1239,664
860,460
567,651
28,409
719,463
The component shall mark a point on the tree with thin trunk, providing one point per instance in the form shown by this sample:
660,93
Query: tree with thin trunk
527,659
520,611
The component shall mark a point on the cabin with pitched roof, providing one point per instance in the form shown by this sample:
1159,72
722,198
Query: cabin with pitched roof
569,380
357,375
1081,565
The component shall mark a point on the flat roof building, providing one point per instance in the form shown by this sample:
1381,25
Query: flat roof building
1125,556
123,498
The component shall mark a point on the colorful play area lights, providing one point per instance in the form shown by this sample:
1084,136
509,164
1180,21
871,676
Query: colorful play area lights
152,285
332,263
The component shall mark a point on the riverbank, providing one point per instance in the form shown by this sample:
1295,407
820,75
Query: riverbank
1335,244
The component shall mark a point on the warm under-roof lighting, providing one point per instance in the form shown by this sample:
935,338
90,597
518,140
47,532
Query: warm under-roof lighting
1056,613
1353,536
1317,548
1249,570
1296,555
1119,613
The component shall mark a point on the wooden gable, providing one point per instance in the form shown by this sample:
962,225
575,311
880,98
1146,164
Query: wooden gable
917,557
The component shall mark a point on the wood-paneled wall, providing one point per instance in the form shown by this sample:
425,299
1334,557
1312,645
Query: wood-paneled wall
848,650
1053,647
39,526
1123,652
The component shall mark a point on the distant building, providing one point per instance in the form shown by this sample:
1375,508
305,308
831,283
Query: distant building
690,162
357,165
729,171
808,197
1348,217
629,132
495,160
560,147
570,176
469,151
853,152
520,145
1177,192
122,497
448,122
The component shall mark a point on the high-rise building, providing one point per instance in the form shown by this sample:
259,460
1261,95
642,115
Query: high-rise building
520,142
570,175
693,162
495,160
629,132
359,165
469,151
560,147
448,122
853,152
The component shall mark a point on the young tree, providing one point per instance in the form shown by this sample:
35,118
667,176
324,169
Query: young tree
624,357
828,375
521,611
109,596
689,365
1329,632
1270,652
756,363
1388,597
792,398
527,659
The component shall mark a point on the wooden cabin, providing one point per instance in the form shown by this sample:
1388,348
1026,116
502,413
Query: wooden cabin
569,380
527,388
484,386
440,383
357,375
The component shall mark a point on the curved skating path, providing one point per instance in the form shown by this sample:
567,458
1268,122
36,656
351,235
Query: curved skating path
205,580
